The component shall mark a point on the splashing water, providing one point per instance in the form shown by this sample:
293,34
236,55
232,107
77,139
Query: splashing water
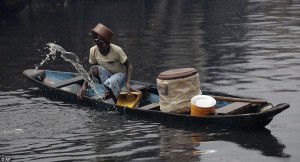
69,57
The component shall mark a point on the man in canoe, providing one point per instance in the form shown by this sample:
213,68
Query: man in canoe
111,66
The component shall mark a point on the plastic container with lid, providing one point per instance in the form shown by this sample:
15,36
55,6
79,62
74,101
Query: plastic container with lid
176,88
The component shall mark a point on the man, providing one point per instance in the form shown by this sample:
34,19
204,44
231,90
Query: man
110,64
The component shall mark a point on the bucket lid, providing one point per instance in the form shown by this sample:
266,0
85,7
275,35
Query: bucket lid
177,73
203,101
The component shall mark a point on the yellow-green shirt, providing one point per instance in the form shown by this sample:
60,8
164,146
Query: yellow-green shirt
113,61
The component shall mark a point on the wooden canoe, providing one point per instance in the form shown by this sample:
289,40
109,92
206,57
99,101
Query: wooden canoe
255,114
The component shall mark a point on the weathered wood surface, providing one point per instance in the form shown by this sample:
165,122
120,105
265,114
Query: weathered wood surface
150,106
67,82
233,108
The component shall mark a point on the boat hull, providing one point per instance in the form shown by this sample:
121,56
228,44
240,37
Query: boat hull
256,120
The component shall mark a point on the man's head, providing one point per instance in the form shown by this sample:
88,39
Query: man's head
103,32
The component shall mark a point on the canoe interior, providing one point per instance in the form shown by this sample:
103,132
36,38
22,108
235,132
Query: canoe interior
150,93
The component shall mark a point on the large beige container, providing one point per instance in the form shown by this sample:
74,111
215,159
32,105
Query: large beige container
176,88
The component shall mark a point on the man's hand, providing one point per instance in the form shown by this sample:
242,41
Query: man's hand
128,87
80,93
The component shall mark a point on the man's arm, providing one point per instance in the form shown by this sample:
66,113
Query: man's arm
82,90
128,66
85,84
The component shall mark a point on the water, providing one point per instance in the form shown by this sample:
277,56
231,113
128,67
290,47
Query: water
73,59
248,48
67,56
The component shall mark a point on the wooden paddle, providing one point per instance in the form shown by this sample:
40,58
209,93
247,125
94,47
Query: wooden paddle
233,99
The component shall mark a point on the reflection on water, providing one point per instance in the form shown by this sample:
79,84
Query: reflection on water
174,141
55,130
60,131
241,47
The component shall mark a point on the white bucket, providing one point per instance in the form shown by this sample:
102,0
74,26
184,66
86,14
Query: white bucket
202,105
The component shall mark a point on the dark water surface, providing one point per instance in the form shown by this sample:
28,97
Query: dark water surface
249,48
